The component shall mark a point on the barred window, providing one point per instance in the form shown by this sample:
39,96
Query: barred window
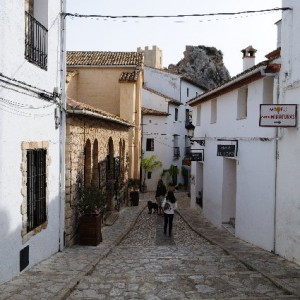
36,33
36,188
150,145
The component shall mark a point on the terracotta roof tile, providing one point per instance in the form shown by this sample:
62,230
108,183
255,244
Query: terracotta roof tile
73,105
129,76
99,58
153,112
274,54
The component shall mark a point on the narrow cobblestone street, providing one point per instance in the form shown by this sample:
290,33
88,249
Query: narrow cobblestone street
150,265
137,261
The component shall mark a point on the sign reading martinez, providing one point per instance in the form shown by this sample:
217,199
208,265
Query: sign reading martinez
278,115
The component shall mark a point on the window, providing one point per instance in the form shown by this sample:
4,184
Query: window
36,188
176,114
187,116
187,92
36,34
150,145
213,111
198,117
176,149
149,175
242,103
268,90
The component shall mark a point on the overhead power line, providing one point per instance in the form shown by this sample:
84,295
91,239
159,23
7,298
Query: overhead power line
76,15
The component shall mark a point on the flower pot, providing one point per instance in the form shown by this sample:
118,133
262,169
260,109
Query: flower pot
90,229
134,198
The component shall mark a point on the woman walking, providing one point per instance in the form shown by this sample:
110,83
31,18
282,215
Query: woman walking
169,205
160,195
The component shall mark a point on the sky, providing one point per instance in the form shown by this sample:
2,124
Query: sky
230,34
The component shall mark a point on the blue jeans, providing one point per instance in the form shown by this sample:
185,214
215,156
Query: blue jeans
168,220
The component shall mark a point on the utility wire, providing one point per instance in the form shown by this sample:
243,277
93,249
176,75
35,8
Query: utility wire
175,16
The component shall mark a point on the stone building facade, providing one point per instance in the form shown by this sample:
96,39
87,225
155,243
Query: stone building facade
110,81
96,155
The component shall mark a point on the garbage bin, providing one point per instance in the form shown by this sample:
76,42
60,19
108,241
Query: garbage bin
134,198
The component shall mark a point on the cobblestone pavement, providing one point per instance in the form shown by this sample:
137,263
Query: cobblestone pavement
149,265
137,261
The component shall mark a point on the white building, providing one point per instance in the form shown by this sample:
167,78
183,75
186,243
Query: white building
164,116
236,177
31,209
249,176
287,237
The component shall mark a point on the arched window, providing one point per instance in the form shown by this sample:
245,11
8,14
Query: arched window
95,176
110,160
87,163
123,162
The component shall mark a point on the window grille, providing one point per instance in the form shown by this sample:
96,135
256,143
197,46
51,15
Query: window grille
36,36
176,152
150,145
36,188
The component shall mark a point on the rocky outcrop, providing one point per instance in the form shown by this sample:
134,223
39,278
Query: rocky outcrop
203,65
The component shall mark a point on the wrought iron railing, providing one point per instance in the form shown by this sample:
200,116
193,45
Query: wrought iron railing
36,188
36,40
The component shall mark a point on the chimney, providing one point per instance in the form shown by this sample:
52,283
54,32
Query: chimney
248,57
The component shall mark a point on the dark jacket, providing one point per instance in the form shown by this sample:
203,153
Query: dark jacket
160,190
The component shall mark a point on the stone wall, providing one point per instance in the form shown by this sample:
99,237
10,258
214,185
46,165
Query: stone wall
80,129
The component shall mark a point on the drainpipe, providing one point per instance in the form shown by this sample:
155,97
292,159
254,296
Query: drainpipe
62,141
276,77
276,167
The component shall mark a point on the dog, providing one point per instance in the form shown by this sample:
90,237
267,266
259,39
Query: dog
152,206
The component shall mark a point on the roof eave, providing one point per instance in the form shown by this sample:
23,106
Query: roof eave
103,66
230,85
99,116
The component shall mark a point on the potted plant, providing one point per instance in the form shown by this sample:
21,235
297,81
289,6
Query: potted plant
133,184
173,172
90,205
148,164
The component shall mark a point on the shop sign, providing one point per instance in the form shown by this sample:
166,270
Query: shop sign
227,148
278,115
197,155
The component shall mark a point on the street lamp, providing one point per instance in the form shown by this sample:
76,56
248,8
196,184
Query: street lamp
190,133
190,130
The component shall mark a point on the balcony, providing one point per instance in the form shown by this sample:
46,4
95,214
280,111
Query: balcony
36,39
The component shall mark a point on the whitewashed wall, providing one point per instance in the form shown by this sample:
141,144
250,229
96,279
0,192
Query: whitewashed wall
164,128
18,125
288,193
254,167
162,82
156,127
